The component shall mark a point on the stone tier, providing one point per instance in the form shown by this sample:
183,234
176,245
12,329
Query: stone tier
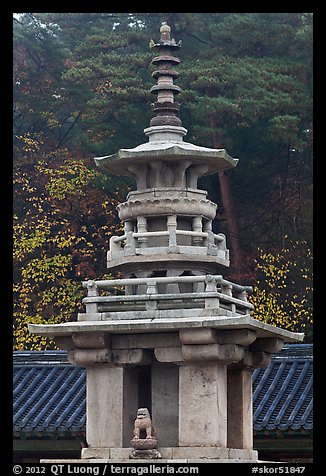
167,201
165,70
200,378
187,161
168,192
168,225
165,113
148,260
148,327
176,296
167,58
165,85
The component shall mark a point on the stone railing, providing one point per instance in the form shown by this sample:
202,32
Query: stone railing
202,243
208,293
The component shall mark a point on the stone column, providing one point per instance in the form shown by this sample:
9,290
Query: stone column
203,404
104,409
142,228
239,387
239,412
171,227
165,406
130,243
111,405
197,225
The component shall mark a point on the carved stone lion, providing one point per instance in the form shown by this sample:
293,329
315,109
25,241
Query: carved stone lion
144,447
143,423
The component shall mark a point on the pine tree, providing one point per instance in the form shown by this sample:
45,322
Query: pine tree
246,85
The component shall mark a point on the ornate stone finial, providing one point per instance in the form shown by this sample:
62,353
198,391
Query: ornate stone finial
165,108
165,31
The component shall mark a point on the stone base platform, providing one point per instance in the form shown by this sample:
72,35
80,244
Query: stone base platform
180,455
152,462
174,453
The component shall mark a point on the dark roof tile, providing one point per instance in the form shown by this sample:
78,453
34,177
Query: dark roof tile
282,397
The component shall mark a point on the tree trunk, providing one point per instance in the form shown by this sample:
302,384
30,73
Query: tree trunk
231,220
228,205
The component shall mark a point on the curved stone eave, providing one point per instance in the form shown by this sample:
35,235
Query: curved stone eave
158,324
189,261
216,159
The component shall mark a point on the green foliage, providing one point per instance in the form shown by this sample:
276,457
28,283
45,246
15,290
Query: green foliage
40,101
81,83
250,92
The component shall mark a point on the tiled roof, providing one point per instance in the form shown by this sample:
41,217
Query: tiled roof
50,393
283,392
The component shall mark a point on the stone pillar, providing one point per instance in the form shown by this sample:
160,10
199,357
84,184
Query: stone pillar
203,404
130,402
142,228
165,407
239,411
130,243
197,225
171,227
173,287
111,405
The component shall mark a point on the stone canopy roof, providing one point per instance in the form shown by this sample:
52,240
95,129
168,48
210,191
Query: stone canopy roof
214,160
50,393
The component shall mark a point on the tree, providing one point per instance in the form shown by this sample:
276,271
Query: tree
61,228
251,93
40,103
244,89
107,78
283,291
81,88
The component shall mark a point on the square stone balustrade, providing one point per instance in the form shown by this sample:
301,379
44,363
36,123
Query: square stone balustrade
186,356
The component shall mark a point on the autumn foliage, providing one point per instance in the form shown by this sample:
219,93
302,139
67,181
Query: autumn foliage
62,225
283,289
81,89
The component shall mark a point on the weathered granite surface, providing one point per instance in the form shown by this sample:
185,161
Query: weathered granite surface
154,323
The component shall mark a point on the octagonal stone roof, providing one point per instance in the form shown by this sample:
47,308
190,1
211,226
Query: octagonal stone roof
215,159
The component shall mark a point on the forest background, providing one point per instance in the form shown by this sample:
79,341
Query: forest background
81,89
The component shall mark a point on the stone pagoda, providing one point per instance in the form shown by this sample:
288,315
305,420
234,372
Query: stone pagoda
173,336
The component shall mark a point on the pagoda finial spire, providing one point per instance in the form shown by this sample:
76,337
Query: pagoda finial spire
165,31
165,107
